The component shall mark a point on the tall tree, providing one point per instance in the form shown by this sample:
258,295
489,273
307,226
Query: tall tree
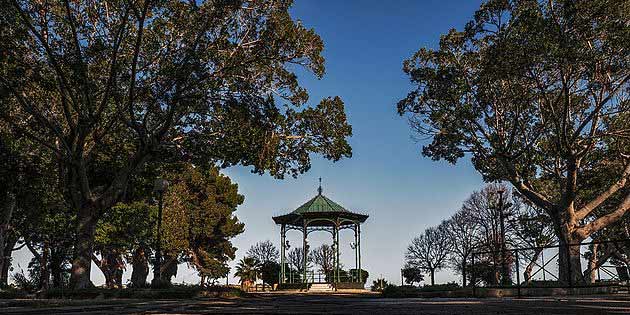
537,93
296,259
324,258
122,83
429,251
461,229
247,270
129,81
120,233
486,207
412,275
199,221
264,251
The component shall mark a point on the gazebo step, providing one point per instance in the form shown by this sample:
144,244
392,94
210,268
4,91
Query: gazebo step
321,287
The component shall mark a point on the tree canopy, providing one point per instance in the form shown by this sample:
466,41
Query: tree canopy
104,87
536,92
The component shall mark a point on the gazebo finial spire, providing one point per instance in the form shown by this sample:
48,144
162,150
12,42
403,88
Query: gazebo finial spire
319,190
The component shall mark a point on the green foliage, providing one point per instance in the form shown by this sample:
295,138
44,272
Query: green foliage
355,275
412,275
104,88
394,291
198,218
450,286
126,226
379,285
264,251
24,282
270,272
535,92
247,270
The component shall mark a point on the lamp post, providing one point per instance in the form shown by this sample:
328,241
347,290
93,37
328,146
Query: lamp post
504,270
287,247
355,276
159,186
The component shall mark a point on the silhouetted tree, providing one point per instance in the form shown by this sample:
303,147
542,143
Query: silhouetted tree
263,252
429,251
324,258
536,94
103,87
412,275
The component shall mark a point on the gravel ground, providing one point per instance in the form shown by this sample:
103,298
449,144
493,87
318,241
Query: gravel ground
331,304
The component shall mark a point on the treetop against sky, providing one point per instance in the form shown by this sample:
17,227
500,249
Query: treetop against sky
482,90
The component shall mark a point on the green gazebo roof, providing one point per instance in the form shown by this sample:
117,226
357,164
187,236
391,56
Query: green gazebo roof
319,203
320,211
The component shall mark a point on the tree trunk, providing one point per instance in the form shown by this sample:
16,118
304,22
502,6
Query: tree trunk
5,260
592,263
82,262
6,248
464,273
44,273
140,265
169,268
527,274
112,267
569,260
56,267
597,260
432,277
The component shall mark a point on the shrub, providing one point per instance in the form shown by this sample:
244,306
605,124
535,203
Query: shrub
379,285
451,286
393,291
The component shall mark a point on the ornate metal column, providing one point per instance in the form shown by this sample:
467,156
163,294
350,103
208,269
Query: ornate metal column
359,251
332,278
283,238
356,253
304,251
337,252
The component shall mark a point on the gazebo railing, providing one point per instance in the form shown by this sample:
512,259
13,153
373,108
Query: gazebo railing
294,276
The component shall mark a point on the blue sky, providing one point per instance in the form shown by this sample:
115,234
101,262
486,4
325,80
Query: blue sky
387,178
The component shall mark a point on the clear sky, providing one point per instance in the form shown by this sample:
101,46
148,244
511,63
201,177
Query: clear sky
387,178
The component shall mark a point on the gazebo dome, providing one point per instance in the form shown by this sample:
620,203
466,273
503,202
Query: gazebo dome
320,211
322,214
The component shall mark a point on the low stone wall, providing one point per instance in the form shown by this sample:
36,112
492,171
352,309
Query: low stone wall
500,292
526,291
349,285
291,286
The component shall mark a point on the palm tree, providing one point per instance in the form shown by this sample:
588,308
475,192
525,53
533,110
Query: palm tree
247,270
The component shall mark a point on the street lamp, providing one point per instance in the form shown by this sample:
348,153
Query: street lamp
354,276
159,186
287,246
504,269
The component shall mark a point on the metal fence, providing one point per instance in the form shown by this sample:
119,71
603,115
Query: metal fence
293,276
539,267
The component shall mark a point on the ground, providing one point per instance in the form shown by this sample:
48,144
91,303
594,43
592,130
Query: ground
335,304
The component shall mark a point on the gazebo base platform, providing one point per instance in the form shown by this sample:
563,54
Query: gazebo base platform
314,286
321,287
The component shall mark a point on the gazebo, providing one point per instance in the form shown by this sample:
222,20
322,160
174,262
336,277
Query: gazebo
321,214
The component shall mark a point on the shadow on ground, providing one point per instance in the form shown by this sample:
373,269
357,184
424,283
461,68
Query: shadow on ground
335,304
